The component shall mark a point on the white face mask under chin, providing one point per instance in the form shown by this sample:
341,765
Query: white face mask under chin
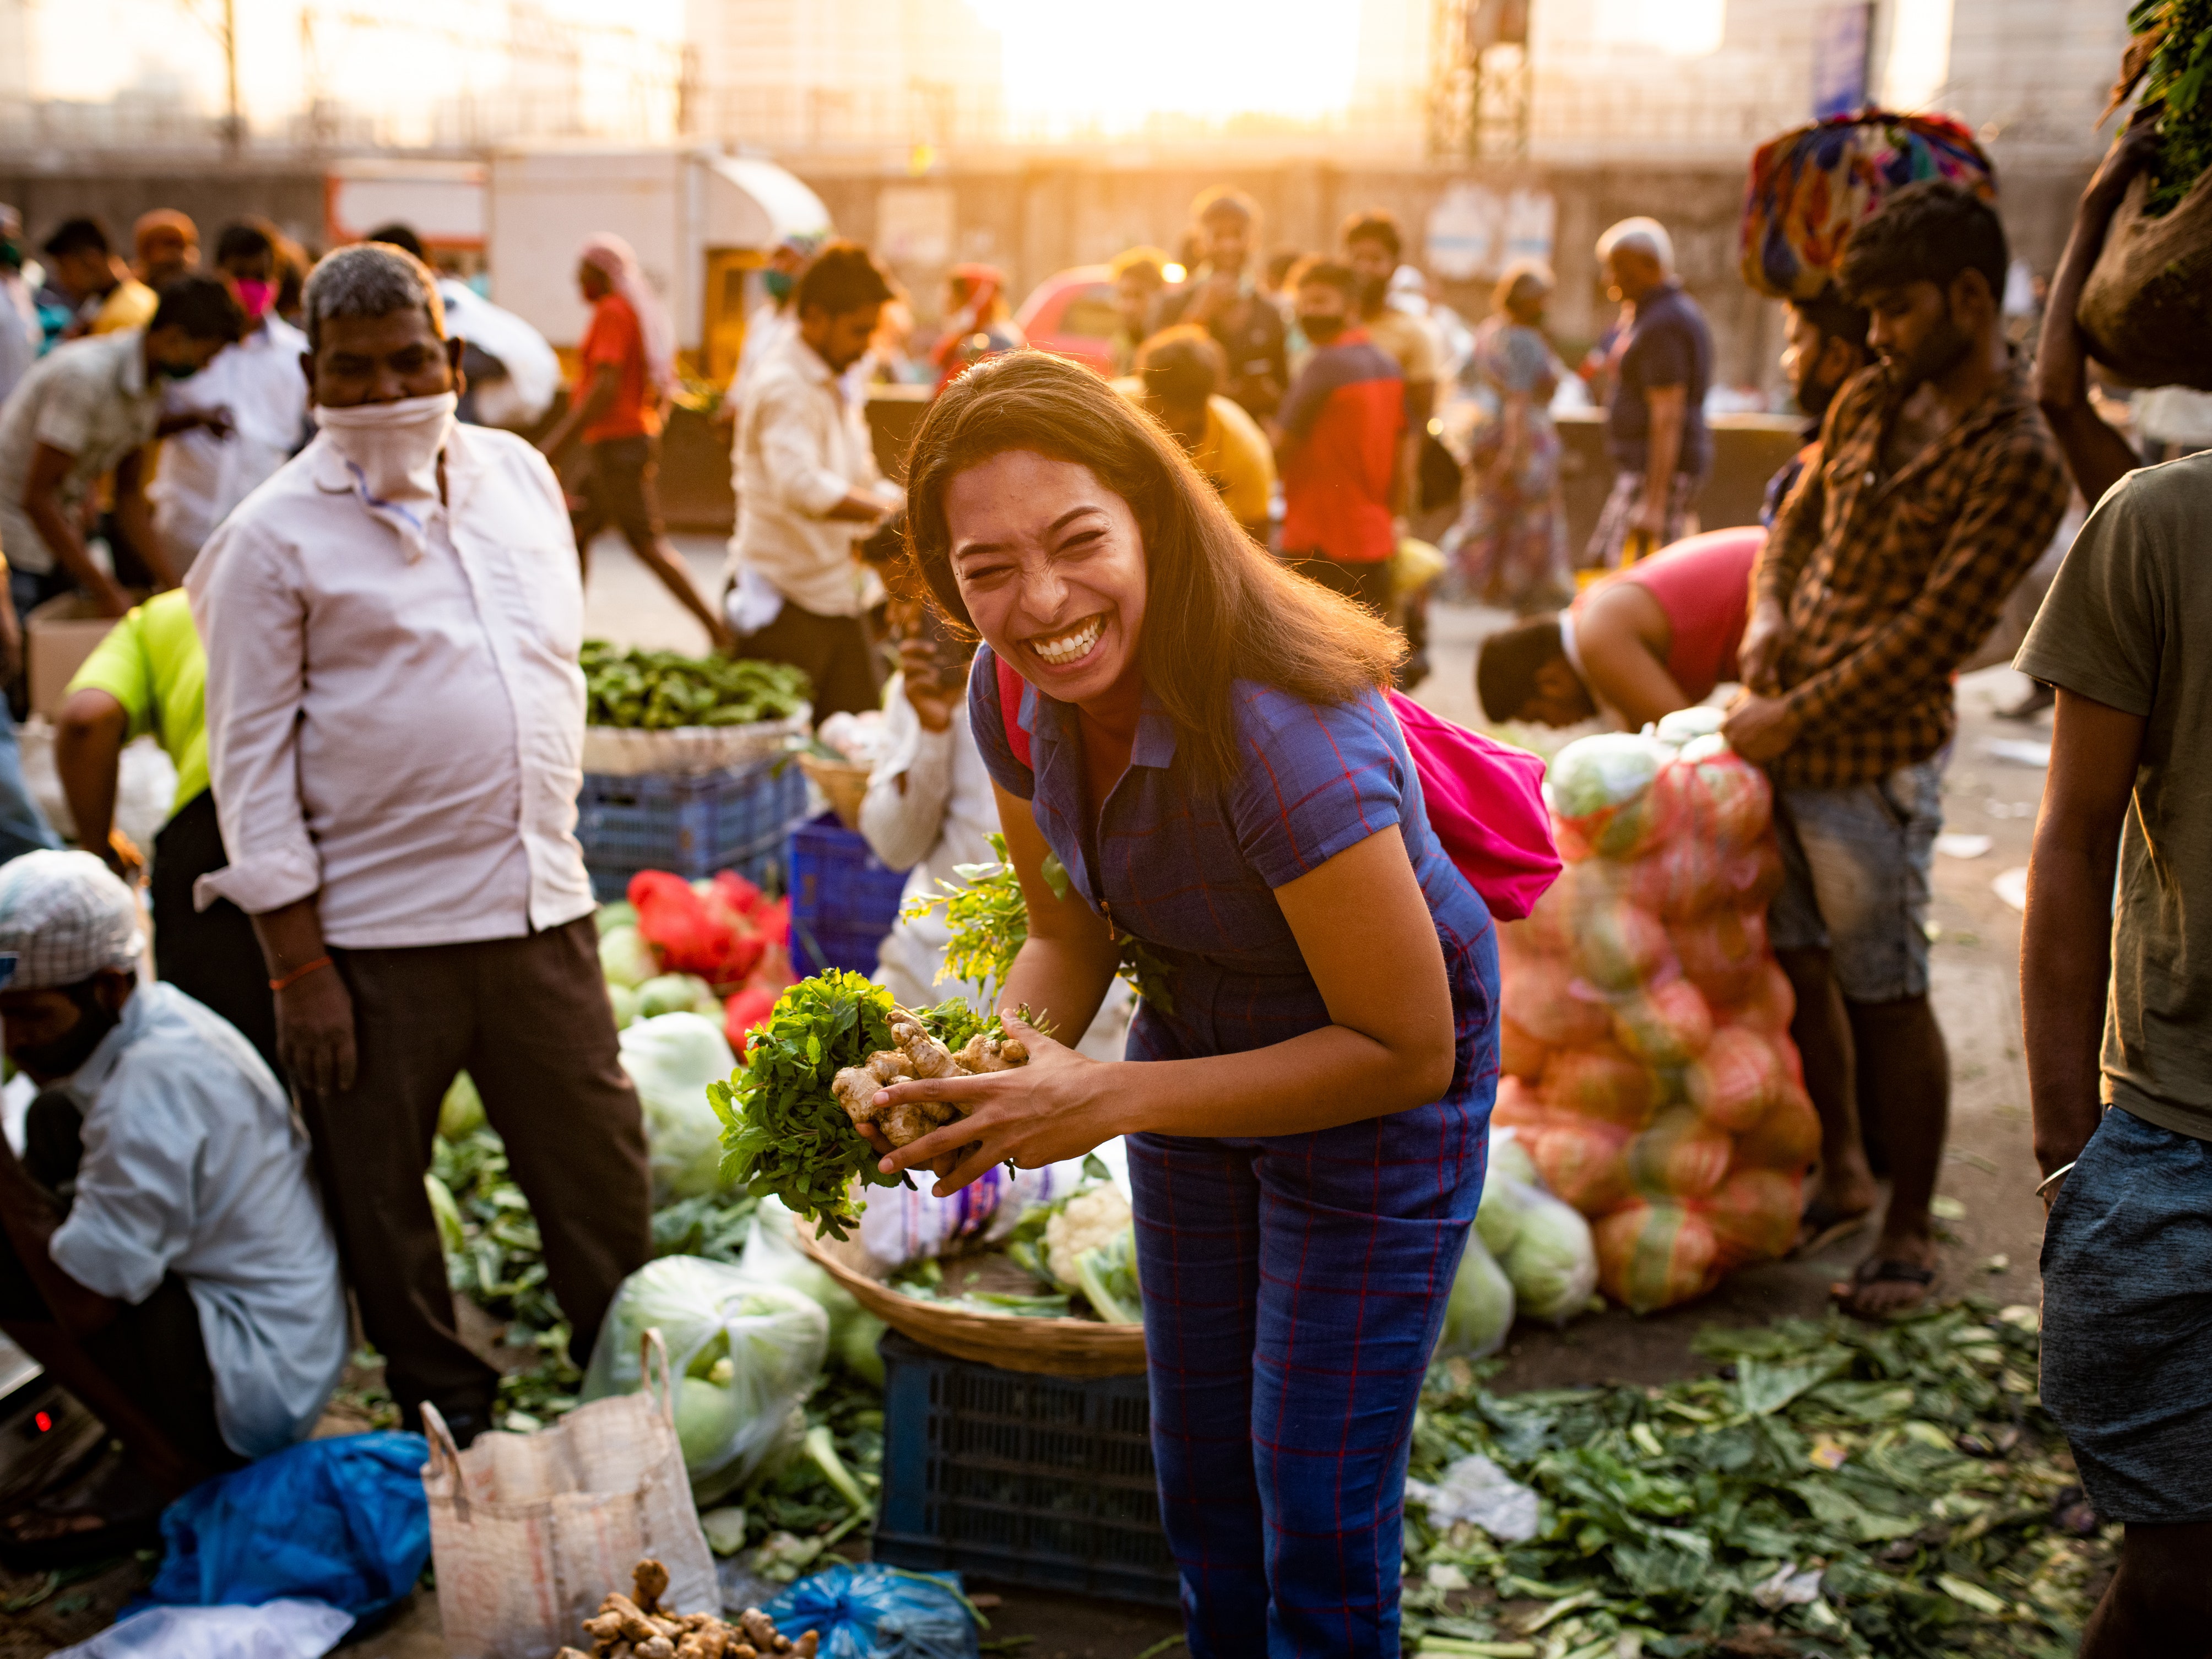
393,448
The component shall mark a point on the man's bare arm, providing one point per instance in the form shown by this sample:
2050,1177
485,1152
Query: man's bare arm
314,1010
2065,958
135,514
1615,632
42,505
88,739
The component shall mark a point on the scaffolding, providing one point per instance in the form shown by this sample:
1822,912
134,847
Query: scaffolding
1481,82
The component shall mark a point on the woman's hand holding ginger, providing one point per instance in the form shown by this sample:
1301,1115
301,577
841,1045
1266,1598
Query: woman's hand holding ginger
1059,1106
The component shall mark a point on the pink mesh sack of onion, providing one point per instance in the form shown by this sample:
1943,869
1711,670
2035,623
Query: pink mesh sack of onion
1645,1038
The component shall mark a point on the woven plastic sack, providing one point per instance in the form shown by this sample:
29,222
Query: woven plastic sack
745,1352
528,1532
340,1521
875,1612
2146,307
1814,186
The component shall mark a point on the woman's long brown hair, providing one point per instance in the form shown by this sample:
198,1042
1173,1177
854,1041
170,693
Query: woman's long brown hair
1218,607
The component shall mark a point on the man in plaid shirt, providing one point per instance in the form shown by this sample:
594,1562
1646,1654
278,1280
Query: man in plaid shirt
1936,487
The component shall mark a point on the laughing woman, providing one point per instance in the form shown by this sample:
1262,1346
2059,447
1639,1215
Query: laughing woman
1202,741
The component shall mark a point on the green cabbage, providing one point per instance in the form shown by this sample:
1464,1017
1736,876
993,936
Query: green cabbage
1498,1221
772,1256
621,913
671,1058
625,959
1553,1260
461,1113
624,1001
1480,1312
1702,720
857,1350
1611,770
678,993
706,1418
759,1345
1509,1159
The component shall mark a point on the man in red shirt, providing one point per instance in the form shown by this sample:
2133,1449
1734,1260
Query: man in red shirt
626,366
1338,455
1656,637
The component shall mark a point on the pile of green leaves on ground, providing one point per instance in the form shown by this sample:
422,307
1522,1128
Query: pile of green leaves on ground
1904,1476
655,691
495,1257
2172,54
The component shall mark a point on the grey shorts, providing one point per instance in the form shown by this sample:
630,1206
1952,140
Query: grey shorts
1856,863
2127,1321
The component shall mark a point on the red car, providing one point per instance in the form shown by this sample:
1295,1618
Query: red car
1072,315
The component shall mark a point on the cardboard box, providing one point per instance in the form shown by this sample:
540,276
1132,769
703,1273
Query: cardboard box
58,637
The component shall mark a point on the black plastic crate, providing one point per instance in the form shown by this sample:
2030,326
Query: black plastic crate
1041,1481
691,824
843,897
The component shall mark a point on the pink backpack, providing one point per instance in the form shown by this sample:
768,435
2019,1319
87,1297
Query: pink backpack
1485,798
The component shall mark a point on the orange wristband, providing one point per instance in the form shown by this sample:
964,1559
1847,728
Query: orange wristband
286,982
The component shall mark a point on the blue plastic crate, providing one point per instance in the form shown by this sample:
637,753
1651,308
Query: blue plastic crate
691,824
1042,1480
843,897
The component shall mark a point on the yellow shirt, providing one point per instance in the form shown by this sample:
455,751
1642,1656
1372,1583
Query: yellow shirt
152,664
129,304
1407,340
1234,454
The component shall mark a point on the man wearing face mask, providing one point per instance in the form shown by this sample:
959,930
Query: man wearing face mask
1372,248
1936,487
1339,453
89,407
400,822
1222,299
162,1251
206,471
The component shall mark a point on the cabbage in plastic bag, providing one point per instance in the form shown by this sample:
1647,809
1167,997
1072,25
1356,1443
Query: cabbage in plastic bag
773,1256
746,1353
1686,725
1599,789
671,1058
1479,1315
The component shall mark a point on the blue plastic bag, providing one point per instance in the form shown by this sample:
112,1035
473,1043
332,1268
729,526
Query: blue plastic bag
873,1612
342,1521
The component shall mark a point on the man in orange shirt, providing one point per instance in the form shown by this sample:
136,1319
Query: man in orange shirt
628,367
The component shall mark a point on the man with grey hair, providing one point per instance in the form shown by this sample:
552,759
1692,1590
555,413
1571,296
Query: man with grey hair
1656,429
162,1250
399,821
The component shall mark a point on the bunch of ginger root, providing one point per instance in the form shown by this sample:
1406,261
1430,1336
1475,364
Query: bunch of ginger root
636,1627
918,1056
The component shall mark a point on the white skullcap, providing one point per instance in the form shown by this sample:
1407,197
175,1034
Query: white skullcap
64,916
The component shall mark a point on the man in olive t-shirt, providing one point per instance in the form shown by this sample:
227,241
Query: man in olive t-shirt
2118,1010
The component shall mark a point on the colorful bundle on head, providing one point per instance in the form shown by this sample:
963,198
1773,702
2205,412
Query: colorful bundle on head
1814,186
1645,1040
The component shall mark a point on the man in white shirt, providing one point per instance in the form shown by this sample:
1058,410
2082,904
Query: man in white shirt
399,821
808,488
257,384
186,1286
20,334
88,408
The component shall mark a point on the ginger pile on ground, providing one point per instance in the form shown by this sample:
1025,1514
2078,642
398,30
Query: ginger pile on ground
636,1627
918,1056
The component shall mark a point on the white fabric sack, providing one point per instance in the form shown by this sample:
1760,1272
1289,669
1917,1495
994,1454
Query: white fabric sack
285,1629
528,1532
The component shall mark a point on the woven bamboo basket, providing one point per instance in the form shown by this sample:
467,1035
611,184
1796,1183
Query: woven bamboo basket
843,781
1048,1347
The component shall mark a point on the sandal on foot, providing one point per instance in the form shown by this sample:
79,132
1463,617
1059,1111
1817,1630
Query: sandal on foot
1884,1271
